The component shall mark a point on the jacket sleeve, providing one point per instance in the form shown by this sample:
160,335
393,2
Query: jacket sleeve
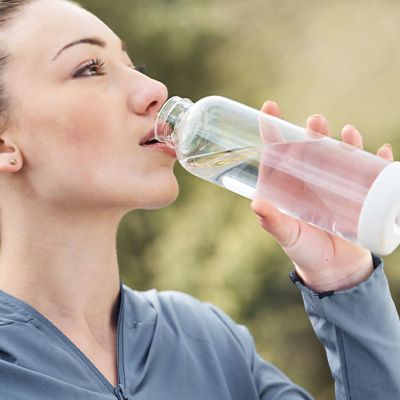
270,383
360,330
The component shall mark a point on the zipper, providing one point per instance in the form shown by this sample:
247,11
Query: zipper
120,393
120,342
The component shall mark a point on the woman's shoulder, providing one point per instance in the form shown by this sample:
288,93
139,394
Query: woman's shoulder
173,304
168,304
199,320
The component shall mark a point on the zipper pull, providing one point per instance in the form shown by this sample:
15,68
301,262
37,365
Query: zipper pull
120,393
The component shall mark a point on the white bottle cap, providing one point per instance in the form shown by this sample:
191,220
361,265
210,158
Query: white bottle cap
379,222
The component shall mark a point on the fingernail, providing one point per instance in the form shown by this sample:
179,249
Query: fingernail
388,145
317,116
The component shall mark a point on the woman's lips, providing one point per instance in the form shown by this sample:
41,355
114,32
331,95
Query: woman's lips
149,137
149,141
155,145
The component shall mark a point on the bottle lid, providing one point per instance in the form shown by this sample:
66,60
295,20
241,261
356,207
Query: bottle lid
379,222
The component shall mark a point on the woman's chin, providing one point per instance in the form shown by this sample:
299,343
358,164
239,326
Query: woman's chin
164,197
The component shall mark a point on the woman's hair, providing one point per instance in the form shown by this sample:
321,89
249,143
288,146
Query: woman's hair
9,9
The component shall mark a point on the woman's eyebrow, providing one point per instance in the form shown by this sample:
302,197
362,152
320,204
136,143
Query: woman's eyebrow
95,41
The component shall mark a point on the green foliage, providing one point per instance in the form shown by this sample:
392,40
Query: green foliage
340,59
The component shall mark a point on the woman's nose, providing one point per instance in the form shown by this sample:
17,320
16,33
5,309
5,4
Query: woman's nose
147,96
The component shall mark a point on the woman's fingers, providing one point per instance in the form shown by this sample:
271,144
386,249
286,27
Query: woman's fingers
317,123
350,135
271,108
386,152
270,131
279,225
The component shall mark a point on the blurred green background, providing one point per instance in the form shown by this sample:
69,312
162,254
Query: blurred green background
340,59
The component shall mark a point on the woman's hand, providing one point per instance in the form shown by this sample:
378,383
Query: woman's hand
324,261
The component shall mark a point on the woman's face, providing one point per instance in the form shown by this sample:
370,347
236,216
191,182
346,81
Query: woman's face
81,113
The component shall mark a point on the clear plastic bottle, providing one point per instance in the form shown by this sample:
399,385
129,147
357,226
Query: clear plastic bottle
332,185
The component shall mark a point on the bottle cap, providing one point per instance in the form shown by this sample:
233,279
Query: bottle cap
379,222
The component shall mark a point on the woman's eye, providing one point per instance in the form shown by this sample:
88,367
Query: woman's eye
141,68
91,68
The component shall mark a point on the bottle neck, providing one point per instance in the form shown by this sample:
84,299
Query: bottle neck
169,117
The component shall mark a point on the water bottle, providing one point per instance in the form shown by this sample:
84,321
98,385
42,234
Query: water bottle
327,183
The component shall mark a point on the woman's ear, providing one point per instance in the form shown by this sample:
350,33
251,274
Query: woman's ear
11,159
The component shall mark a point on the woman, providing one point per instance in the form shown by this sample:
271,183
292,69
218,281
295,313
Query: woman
76,155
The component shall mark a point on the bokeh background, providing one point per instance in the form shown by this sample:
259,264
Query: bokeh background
338,58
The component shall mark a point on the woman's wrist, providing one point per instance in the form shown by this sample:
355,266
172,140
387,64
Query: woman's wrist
338,278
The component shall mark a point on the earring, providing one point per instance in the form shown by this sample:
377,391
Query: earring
13,161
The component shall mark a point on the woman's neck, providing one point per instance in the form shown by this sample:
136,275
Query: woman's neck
65,267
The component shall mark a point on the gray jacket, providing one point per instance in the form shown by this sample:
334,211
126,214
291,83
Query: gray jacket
360,331
172,347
